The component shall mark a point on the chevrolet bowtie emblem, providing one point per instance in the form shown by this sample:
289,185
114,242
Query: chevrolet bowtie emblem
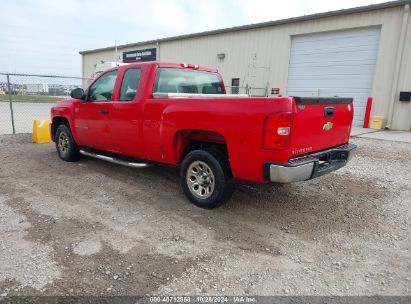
328,126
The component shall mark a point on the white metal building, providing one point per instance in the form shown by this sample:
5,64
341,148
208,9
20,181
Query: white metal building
358,52
37,88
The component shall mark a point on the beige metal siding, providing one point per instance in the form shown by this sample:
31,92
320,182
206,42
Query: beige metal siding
402,110
258,56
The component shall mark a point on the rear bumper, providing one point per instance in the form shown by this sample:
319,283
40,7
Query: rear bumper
309,166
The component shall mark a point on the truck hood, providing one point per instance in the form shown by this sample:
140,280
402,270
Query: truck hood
63,103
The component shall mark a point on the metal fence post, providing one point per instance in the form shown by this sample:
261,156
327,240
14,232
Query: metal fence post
11,103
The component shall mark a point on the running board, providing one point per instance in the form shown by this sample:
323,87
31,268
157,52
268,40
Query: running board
115,160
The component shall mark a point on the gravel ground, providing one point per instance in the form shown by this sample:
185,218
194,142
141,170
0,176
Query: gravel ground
94,228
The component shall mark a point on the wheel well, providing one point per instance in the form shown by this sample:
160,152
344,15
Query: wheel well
189,140
57,121
198,145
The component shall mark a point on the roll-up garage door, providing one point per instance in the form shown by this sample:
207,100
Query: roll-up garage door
340,63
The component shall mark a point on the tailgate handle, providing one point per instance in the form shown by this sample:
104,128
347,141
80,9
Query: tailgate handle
328,111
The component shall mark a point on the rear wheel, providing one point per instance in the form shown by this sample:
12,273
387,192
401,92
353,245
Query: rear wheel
206,178
67,148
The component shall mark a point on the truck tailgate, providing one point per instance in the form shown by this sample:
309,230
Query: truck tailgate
320,123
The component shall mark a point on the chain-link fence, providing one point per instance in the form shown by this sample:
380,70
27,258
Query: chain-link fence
25,97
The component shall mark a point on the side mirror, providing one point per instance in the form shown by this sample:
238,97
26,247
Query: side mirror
77,93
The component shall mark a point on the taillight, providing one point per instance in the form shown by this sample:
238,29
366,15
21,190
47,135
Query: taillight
277,131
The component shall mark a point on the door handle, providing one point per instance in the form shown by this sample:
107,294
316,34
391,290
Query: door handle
103,111
328,112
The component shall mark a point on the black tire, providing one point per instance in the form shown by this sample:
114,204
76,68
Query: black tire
222,185
67,148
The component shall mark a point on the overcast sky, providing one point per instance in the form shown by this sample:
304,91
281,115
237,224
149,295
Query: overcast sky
45,36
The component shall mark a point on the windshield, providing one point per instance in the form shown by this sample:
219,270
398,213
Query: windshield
170,80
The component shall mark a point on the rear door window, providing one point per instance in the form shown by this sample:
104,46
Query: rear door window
130,84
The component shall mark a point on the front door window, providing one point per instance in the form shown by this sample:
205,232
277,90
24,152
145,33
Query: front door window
102,89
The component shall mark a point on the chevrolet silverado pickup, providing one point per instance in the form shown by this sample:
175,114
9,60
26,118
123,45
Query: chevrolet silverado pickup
178,114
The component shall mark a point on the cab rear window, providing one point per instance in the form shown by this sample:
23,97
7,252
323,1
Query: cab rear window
169,80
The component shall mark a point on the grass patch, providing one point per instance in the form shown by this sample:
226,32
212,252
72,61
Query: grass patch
31,98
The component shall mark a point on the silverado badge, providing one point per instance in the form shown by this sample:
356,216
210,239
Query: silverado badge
328,126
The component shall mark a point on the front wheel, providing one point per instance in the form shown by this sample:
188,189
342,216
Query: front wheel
206,178
67,148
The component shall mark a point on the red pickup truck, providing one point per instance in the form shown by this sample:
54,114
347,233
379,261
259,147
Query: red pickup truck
179,114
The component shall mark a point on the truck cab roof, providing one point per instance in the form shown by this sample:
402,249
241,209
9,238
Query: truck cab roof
166,65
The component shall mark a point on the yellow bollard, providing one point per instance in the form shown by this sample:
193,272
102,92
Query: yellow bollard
41,131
